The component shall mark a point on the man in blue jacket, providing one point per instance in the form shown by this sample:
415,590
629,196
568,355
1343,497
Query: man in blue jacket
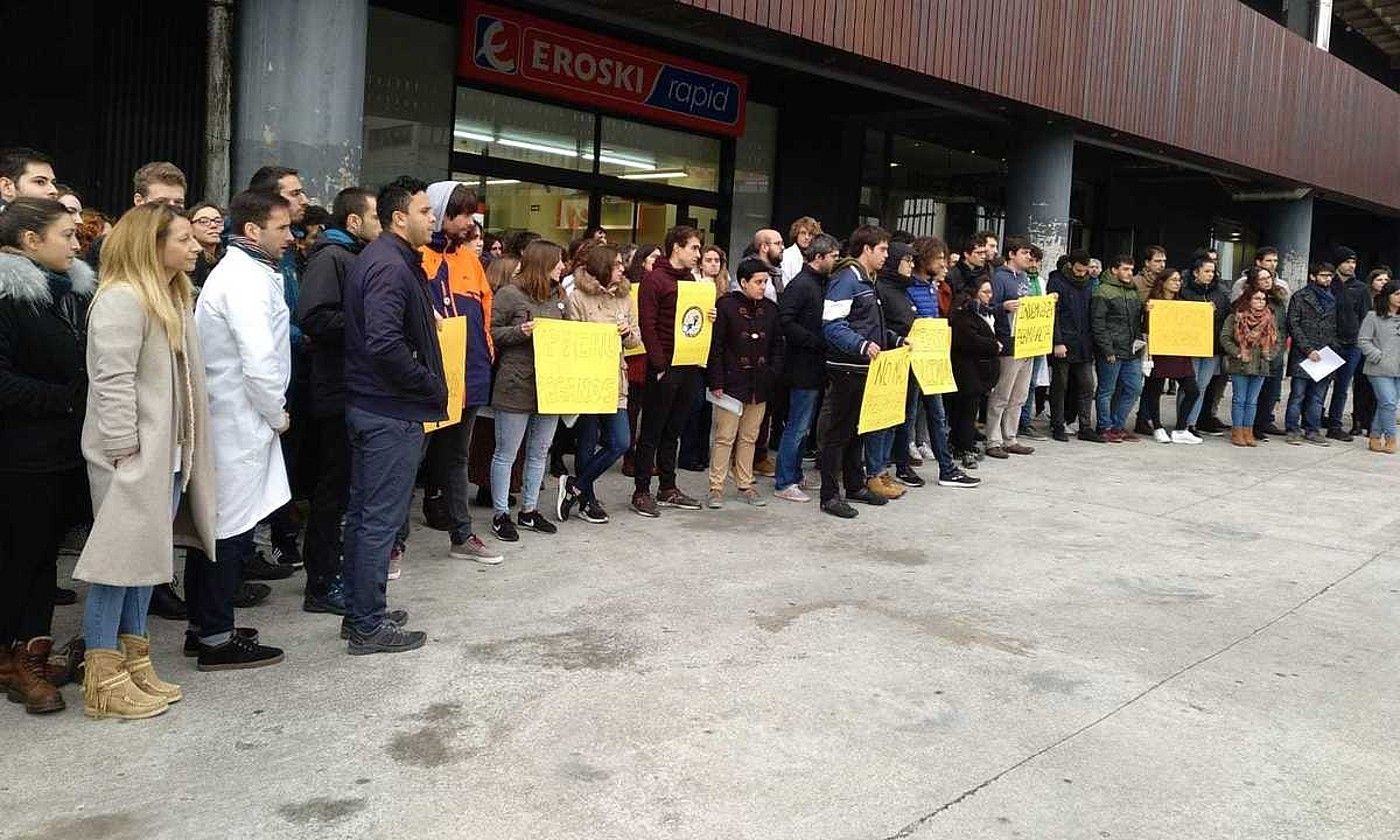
394,382
1009,285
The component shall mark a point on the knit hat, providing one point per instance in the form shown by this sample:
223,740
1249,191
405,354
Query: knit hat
1343,254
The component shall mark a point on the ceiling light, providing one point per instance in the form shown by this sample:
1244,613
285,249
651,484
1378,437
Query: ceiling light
893,165
618,160
462,134
537,147
500,182
660,176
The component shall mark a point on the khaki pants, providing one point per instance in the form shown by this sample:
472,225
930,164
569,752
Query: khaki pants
1004,407
727,426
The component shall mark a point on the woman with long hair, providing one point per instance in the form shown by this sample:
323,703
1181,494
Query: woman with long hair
975,369
1363,397
1251,341
1379,340
207,219
714,266
1165,369
643,258
44,294
147,443
1258,278
532,295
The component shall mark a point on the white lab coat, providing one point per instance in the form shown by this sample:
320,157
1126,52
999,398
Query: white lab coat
792,263
244,330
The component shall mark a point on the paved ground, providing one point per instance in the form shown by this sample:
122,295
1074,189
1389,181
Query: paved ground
1134,641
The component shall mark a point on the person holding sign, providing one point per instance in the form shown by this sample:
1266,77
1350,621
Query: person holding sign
1312,324
1250,339
1115,312
532,295
1009,285
745,360
1206,287
1166,368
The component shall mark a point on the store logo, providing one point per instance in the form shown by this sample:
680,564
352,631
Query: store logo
692,322
497,44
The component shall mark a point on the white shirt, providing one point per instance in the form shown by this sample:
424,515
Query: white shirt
792,263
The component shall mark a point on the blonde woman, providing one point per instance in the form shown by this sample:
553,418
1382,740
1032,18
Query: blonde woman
146,442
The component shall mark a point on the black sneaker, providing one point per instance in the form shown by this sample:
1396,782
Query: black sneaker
838,508
236,654
258,568
399,617
1029,431
250,594
1091,435
644,505
1144,428
908,477
958,478
389,638
1338,434
166,603
1060,435
567,498
535,521
331,601
1212,427
503,529
593,512
1270,429
287,555
674,498
192,644
969,460
64,597
436,514
865,497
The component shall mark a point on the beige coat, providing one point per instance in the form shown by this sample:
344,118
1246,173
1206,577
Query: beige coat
134,407
591,302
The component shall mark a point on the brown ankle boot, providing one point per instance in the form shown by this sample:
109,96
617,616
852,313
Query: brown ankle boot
137,650
1390,445
1248,432
1237,436
30,685
1376,444
108,691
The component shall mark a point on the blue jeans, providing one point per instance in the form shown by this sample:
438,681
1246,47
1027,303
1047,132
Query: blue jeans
593,462
877,450
511,429
802,405
1205,371
384,455
114,610
1387,390
937,432
1341,381
1120,383
1302,389
1244,399
1036,369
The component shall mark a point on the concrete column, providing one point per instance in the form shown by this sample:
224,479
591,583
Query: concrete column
1288,227
1038,180
300,91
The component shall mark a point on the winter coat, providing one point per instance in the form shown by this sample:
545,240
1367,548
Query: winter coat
1006,285
746,355
1073,328
515,351
460,288
1379,341
964,278
591,302
321,313
1115,313
393,361
142,394
1217,294
974,351
243,327
1259,364
656,311
853,318
43,376
1353,304
800,314
1312,324
899,310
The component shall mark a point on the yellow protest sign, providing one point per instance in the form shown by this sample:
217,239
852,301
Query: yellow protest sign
452,339
931,357
576,366
886,387
694,300
1181,328
1035,326
640,349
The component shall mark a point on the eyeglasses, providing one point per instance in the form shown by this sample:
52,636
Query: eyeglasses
208,221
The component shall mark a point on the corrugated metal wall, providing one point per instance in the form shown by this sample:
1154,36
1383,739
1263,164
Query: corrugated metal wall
1208,76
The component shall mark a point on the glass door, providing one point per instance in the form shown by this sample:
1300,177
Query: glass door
636,221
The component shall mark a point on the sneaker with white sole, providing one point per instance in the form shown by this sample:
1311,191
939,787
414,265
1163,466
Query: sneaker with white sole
958,478
396,562
752,497
927,452
792,493
1161,435
1184,436
715,500
915,457
475,549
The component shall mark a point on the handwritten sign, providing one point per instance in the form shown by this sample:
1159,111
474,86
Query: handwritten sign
640,349
452,339
1035,326
886,387
576,367
931,357
1181,328
694,300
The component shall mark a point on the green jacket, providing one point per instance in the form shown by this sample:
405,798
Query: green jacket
1258,364
1115,312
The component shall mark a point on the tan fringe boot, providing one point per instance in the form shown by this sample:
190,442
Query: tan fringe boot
108,691
143,673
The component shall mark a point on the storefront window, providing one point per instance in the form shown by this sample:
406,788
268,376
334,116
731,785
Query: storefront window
556,213
755,156
498,126
628,221
633,151
408,99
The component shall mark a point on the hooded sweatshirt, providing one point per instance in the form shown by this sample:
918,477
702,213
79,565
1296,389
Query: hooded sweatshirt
893,290
458,285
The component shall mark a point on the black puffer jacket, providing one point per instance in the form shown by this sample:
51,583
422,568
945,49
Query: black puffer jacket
1353,302
893,290
321,313
1073,327
1217,294
800,315
43,375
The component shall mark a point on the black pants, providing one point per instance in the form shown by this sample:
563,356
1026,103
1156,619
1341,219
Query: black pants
210,587
962,420
1186,392
839,448
1363,402
35,510
1214,391
328,497
695,434
1062,372
668,403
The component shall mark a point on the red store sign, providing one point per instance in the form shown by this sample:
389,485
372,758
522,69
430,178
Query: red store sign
510,48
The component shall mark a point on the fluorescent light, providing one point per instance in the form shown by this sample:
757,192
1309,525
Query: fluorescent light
462,134
500,182
537,147
659,176
618,160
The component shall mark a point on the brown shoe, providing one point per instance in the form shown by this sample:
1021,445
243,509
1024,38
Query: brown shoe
892,486
1376,444
1248,432
108,691
137,650
1390,445
30,686
877,488
1237,436
766,467
1019,448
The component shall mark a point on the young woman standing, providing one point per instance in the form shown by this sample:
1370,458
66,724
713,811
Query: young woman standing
1379,341
1165,369
1250,339
208,221
1363,398
975,368
147,443
1258,278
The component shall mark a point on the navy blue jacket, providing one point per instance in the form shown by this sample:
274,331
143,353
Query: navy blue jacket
1006,285
393,365
852,317
1073,328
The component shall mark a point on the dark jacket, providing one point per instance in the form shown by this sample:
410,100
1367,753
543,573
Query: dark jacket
322,316
393,363
1217,294
43,375
1115,311
1073,328
746,354
656,311
800,314
1259,362
892,288
1006,285
974,350
852,317
1353,302
1312,323
514,389
964,278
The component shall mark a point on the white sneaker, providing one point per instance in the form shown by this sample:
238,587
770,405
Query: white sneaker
792,493
396,563
914,453
928,453
1160,435
1183,436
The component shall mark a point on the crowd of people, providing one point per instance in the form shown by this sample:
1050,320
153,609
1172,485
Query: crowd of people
203,376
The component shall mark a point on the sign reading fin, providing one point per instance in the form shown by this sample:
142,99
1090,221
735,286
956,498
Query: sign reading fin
510,48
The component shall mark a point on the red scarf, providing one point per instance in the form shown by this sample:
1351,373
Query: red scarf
1255,328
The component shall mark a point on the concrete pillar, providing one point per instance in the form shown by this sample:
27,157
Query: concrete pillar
1288,227
300,91
1039,175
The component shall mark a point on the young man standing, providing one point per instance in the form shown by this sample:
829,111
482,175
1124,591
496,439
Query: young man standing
671,389
1115,313
794,256
1072,356
1009,284
978,251
394,382
1353,302
25,173
157,181
1312,324
1154,259
804,368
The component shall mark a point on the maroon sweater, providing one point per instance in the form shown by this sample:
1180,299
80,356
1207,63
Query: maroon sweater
656,309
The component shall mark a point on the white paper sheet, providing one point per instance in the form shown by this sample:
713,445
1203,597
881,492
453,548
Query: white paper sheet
1319,369
725,402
